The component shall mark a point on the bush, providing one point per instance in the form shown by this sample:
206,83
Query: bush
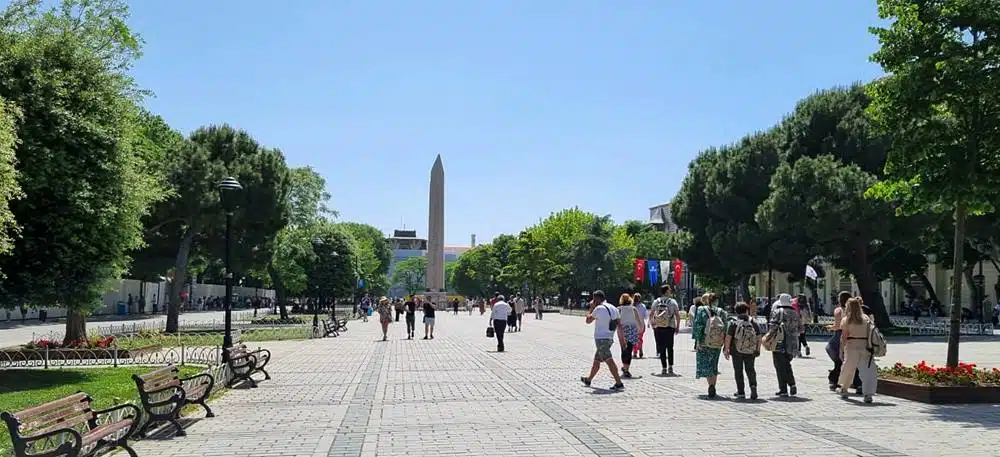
94,342
966,374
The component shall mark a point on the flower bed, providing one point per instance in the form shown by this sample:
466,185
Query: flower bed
940,385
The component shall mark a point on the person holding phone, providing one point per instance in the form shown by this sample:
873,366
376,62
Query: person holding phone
606,322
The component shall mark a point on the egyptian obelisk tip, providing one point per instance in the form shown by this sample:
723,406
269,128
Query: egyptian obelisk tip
437,163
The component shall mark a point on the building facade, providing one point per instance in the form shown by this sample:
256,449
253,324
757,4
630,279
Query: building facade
406,244
661,219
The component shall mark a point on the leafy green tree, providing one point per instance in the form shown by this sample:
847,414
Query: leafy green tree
655,245
449,275
939,103
529,264
9,187
307,204
558,233
81,171
690,212
374,255
332,271
735,186
474,272
411,273
822,196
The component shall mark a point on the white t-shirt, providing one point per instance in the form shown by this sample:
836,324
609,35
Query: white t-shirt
500,310
603,315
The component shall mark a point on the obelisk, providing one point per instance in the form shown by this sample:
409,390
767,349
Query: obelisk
435,237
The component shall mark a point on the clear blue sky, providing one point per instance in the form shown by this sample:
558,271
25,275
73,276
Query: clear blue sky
534,105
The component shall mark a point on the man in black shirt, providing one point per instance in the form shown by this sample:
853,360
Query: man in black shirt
411,315
429,320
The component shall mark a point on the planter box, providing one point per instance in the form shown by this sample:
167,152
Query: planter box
938,395
76,354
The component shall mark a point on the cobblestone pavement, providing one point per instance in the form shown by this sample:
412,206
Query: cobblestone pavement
453,396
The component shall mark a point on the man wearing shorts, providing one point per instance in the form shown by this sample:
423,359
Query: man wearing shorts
607,323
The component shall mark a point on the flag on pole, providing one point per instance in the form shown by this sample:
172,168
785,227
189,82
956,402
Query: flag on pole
811,272
654,272
678,271
640,271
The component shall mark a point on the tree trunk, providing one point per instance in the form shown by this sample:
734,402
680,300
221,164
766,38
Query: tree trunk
868,285
180,277
280,292
811,285
76,325
961,210
931,294
907,287
744,285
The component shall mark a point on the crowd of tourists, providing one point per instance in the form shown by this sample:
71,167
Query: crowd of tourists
738,336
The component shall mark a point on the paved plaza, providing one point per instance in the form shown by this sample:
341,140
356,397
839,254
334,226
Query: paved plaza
454,396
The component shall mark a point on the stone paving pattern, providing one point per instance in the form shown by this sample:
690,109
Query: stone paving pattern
454,396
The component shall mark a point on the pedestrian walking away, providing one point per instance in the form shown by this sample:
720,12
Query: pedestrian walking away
665,320
498,317
743,346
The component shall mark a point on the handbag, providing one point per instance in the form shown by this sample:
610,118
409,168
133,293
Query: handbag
490,333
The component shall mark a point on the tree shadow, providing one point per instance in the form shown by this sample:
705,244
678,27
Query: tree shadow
972,416
27,380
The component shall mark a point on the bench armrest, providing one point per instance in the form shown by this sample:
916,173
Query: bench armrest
178,398
77,442
197,376
135,416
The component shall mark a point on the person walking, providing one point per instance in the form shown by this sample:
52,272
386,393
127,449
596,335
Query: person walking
519,311
454,307
833,347
855,343
384,316
538,306
665,320
429,309
802,307
743,346
786,320
637,351
606,322
709,333
410,308
631,322
498,316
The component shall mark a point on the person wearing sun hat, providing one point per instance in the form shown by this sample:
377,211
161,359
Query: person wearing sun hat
384,316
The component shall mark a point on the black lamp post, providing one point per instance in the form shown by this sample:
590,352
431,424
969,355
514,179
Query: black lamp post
228,190
317,244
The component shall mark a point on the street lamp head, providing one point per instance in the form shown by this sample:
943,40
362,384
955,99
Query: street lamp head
228,189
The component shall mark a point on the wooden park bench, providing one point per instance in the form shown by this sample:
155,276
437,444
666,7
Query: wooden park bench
70,427
164,394
244,364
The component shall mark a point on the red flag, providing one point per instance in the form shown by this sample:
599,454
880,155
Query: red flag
640,271
678,271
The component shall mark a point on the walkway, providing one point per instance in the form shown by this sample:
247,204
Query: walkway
357,396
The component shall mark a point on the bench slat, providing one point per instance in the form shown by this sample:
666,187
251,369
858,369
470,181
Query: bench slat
105,430
166,372
26,415
81,417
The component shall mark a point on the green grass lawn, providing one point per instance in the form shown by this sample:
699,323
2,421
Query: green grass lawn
21,389
213,338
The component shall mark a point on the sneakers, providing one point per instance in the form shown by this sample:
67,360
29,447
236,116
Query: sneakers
739,396
665,372
670,371
868,399
585,380
626,374
753,392
781,393
618,386
792,390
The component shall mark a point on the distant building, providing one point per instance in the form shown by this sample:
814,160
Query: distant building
660,217
406,244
